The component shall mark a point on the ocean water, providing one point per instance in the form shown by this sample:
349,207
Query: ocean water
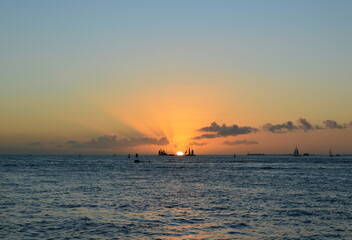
202,197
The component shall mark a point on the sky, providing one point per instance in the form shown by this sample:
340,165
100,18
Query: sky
221,77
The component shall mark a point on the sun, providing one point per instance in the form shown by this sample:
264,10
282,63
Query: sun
179,153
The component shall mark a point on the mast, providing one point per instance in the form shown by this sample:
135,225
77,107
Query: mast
296,152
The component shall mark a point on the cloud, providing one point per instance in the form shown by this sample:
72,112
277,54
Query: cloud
332,124
304,124
280,128
240,142
109,142
205,136
224,131
71,142
214,127
198,144
34,143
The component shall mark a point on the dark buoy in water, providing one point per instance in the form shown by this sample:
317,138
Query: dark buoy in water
234,155
129,155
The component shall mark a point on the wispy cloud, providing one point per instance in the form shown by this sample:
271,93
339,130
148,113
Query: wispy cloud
110,142
224,131
240,142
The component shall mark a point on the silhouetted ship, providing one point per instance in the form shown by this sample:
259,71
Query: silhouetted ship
189,152
296,153
330,153
163,153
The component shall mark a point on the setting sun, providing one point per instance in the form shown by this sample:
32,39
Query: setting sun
179,153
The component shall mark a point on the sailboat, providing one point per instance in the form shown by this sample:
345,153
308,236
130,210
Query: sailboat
330,153
296,153
189,152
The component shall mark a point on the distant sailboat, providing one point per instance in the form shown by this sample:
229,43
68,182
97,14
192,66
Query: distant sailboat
189,152
296,152
330,153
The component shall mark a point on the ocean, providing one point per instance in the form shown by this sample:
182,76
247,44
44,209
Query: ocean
170,197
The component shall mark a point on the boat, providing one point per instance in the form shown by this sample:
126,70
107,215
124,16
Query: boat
164,153
306,154
330,153
296,153
189,152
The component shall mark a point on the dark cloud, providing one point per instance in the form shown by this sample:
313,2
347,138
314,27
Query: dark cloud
332,124
71,142
214,127
240,142
198,144
109,142
205,136
304,124
317,127
34,143
280,128
224,131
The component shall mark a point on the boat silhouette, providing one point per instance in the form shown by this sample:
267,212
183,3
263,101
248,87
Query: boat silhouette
189,152
164,153
296,153
330,153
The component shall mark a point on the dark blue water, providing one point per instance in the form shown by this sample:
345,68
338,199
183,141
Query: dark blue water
203,197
